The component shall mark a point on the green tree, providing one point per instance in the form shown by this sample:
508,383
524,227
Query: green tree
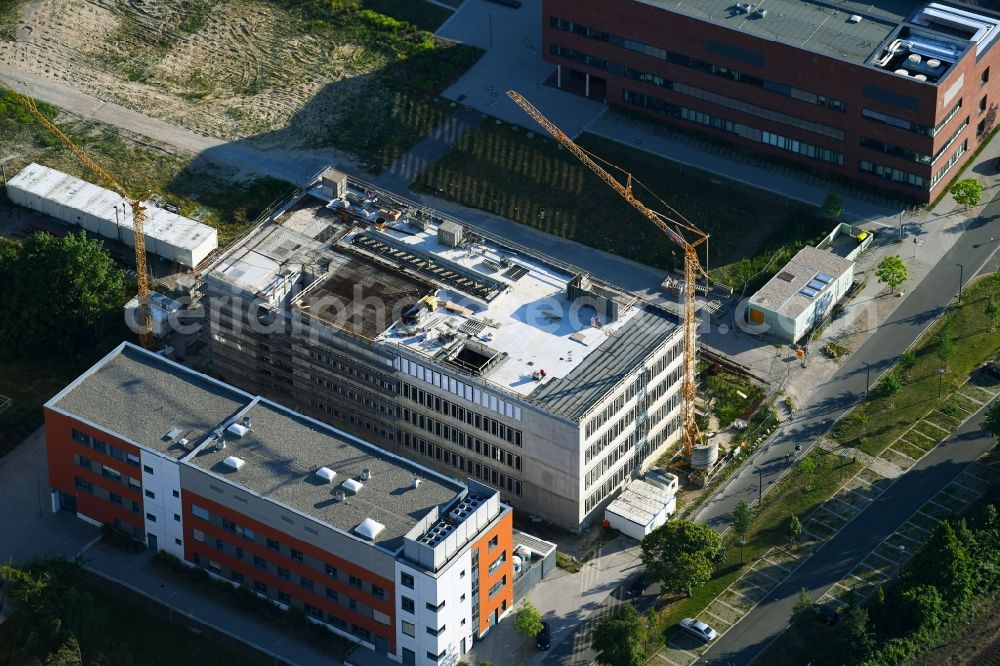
992,421
794,528
680,554
808,467
907,360
967,192
857,641
892,271
72,309
944,563
802,611
891,386
619,638
920,607
992,311
861,419
944,341
742,523
833,205
528,620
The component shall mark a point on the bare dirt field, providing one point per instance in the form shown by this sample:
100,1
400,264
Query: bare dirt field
241,69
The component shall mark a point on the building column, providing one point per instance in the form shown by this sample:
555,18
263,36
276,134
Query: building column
558,76
586,90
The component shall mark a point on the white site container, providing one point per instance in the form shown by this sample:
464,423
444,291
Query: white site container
76,201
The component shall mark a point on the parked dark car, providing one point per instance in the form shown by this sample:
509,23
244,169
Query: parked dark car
544,638
826,614
992,368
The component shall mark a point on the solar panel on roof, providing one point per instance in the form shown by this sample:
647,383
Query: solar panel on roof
823,277
807,292
817,285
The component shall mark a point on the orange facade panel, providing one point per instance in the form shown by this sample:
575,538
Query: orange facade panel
496,550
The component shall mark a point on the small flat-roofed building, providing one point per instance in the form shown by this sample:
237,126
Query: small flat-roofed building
449,346
641,508
801,294
892,93
384,551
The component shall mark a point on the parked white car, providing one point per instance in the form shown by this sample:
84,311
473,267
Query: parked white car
698,629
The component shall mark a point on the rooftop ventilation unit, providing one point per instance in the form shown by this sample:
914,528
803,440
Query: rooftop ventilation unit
220,443
234,463
416,483
855,18
366,474
237,430
173,433
246,422
185,443
340,495
369,528
352,486
326,474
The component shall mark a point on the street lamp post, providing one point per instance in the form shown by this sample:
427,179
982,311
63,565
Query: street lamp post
961,280
868,378
941,372
760,486
902,552
901,226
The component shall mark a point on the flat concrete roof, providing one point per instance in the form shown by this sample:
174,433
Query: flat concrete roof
821,27
783,293
283,450
143,396
641,502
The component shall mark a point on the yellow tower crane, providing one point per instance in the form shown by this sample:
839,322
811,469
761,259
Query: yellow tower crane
678,230
138,212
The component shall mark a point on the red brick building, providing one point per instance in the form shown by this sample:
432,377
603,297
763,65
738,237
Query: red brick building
891,93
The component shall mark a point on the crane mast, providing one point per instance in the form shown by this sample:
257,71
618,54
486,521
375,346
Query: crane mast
138,212
677,231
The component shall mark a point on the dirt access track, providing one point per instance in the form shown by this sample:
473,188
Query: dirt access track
226,68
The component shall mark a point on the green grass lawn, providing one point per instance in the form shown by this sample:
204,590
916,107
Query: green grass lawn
798,493
974,343
424,15
528,177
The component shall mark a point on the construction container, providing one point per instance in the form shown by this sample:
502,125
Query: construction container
105,213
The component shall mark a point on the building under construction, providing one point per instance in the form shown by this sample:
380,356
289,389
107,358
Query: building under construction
458,350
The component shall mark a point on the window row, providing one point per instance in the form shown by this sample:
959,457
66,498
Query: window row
328,571
895,151
107,472
346,367
370,401
103,447
699,65
459,413
484,473
909,125
466,391
466,441
373,426
102,493
952,161
893,174
740,129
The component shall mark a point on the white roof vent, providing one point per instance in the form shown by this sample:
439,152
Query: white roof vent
369,528
416,483
233,462
340,495
855,18
220,443
326,474
183,441
352,485
173,433
237,430
366,474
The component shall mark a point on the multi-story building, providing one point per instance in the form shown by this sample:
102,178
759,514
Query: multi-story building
384,551
888,93
461,351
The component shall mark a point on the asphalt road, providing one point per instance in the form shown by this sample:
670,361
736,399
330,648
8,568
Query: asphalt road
974,250
841,553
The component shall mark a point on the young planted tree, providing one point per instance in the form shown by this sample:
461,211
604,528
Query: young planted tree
794,528
992,311
808,468
833,205
802,610
892,271
527,620
891,386
944,343
861,419
681,555
619,638
967,192
742,523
